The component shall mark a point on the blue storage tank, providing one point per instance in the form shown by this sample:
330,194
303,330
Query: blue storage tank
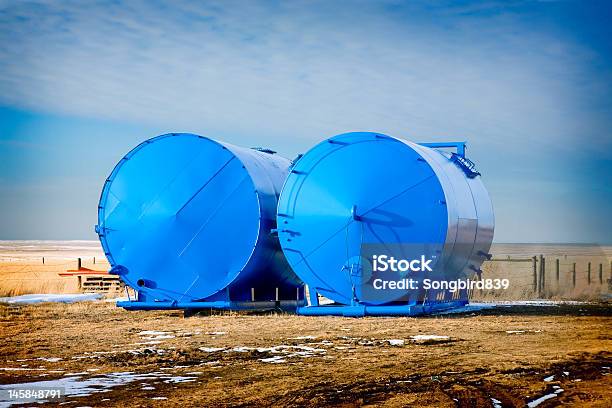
360,189
185,220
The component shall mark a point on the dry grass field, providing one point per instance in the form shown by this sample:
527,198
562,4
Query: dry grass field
105,356
115,357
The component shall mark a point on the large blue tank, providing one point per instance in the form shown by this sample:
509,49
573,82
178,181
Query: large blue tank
183,219
368,190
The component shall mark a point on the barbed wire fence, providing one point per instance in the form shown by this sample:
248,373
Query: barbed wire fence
549,277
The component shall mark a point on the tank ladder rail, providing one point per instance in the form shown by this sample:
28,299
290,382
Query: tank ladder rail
465,164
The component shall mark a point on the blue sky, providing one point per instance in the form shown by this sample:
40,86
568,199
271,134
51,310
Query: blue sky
528,84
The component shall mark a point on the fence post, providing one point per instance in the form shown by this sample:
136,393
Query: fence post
601,274
557,271
542,272
43,260
78,263
589,273
535,273
574,274
94,260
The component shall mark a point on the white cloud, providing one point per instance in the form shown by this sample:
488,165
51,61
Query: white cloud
299,70
288,74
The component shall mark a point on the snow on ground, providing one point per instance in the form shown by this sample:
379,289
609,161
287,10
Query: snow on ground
477,306
428,337
522,331
77,386
51,297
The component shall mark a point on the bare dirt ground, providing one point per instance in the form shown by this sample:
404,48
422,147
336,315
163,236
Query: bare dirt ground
500,357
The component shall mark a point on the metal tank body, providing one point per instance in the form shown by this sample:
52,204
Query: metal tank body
185,220
359,189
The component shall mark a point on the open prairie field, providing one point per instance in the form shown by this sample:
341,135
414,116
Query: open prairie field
505,356
34,266
510,356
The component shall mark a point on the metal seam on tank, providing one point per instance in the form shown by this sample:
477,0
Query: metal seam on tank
128,156
325,154
257,200
448,190
291,201
454,237
260,158
271,254
235,276
108,184
478,218
385,138
261,162
316,161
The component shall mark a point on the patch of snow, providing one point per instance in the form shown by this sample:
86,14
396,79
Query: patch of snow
152,333
471,307
50,359
285,351
51,297
178,379
310,337
496,403
395,342
160,337
549,379
540,400
211,349
159,398
273,360
117,299
426,337
20,369
216,333
78,386
239,349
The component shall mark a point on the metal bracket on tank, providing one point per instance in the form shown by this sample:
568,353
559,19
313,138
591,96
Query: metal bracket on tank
465,164
264,150
460,146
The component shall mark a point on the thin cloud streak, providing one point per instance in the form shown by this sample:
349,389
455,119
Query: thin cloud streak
531,99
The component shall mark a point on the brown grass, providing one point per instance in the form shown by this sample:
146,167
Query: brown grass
20,277
358,367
